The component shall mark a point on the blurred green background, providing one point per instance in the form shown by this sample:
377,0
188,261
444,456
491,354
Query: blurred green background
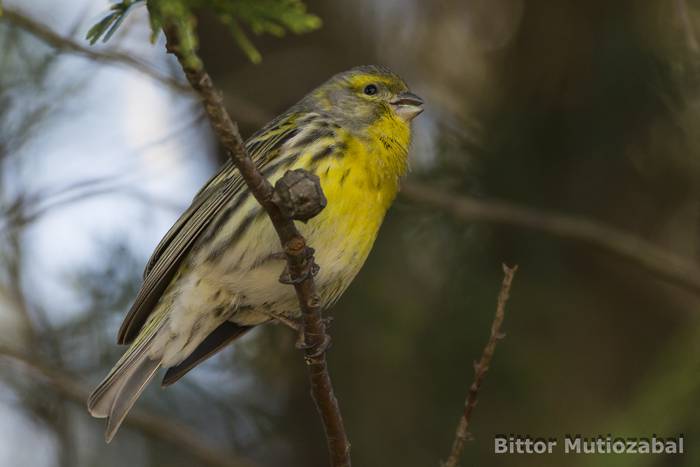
588,109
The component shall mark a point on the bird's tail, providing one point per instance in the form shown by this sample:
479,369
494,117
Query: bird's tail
117,393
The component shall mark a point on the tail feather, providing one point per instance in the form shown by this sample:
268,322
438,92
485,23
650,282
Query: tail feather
130,390
100,401
117,393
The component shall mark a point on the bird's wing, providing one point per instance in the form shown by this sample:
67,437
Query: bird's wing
263,147
225,173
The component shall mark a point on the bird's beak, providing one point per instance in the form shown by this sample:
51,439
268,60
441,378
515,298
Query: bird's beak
407,106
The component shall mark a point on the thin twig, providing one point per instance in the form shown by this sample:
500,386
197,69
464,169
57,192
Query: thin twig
149,423
247,112
59,42
300,262
19,219
480,369
650,257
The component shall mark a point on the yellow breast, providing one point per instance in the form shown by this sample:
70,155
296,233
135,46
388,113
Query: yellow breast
360,185
360,182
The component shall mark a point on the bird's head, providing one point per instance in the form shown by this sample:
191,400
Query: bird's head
363,95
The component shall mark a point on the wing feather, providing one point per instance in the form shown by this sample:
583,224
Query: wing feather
226,172
218,192
167,264
263,147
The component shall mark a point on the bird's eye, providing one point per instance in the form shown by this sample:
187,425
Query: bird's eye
371,89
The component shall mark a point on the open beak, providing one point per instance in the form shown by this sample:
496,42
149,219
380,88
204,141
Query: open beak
407,106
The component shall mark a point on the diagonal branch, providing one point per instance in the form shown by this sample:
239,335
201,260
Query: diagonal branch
149,423
300,261
247,112
66,44
480,369
650,257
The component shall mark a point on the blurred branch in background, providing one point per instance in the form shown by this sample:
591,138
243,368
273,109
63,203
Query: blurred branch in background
30,329
480,368
36,339
155,426
652,258
24,211
687,26
68,45
246,111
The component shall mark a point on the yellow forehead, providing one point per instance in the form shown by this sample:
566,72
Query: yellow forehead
393,83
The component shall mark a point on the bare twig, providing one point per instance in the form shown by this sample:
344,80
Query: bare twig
149,423
15,219
650,257
59,42
247,112
300,261
480,369
16,295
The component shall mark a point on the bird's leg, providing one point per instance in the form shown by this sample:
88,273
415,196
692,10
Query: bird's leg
287,321
301,339
297,325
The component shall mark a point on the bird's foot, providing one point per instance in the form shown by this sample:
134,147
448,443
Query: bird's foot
310,272
292,323
315,350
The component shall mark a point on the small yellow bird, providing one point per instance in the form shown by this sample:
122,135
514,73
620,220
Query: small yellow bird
216,272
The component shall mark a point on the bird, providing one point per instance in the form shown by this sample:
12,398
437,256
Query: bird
215,274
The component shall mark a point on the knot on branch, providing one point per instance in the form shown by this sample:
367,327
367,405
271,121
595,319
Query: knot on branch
298,195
